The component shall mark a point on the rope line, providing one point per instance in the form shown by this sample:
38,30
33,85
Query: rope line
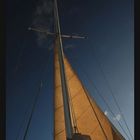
112,94
22,123
32,111
72,109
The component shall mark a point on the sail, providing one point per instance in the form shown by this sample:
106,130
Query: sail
89,118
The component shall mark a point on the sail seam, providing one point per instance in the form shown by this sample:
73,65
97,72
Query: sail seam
78,118
59,132
59,107
76,94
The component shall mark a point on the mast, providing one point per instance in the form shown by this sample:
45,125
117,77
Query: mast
67,116
91,122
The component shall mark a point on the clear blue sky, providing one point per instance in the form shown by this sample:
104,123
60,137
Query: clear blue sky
109,47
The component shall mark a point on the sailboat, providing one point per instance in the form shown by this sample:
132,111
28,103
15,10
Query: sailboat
76,114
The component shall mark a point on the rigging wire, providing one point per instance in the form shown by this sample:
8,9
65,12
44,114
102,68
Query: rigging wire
35,102
26,111
22,123
72,109
32,111
112,94
115,100
21,126
90,81
73,113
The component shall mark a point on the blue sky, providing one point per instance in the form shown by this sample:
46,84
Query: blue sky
109,48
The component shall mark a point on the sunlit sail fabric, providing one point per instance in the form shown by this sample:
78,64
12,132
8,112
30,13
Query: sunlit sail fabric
90,119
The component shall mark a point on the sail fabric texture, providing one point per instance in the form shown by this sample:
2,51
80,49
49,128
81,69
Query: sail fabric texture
89,118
